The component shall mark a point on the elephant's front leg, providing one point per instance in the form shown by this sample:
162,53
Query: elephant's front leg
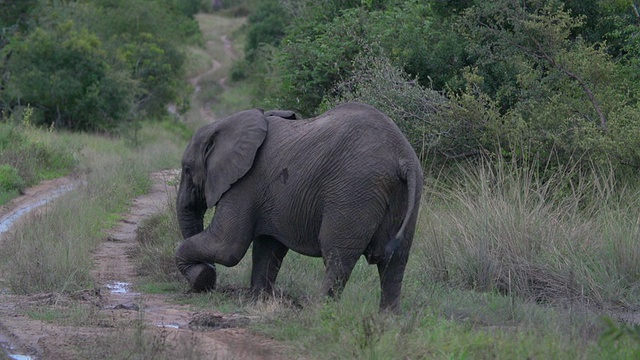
196,255
267,257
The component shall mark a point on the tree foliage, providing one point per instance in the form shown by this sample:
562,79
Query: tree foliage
92,65
66,76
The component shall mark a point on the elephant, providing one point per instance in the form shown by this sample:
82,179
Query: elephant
344,184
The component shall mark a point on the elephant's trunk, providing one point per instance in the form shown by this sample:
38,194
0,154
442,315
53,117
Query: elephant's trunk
191,222
190,211
201,276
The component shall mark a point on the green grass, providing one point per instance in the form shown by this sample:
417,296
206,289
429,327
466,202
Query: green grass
71,314
158,236
29,155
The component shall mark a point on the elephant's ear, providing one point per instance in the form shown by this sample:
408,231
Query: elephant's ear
230,151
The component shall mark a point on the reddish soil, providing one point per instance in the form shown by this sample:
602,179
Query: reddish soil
176,330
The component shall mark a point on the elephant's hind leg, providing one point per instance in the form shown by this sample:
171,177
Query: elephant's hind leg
339,264
343,240
267,256
391,271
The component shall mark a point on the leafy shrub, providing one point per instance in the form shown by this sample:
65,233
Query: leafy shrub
319,51
312,61
566,96
532,89
94,65
26,159
157,68
10,179
266,26
65,74
413,108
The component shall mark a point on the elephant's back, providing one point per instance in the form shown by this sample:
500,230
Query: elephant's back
352,137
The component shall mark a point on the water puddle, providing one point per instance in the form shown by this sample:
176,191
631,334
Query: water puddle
120,287
9,351
171,326
8,221
19,357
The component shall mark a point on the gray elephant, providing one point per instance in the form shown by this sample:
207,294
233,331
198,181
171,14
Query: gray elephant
341,185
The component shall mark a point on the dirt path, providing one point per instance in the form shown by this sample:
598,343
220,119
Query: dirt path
230,53
119,306
116,273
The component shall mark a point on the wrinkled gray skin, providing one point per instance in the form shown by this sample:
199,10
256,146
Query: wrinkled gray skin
339,186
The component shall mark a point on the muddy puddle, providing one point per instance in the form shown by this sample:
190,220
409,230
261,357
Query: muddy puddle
120,287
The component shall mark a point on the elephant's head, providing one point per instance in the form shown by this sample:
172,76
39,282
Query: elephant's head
218,155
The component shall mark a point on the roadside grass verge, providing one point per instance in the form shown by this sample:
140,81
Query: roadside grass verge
157,237
29,155
53,252
504,265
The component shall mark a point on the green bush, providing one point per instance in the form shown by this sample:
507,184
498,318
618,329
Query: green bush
10,180
66,75
533,89
27,159
266,26
415,109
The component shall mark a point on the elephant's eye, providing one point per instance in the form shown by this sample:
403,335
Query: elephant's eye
187,171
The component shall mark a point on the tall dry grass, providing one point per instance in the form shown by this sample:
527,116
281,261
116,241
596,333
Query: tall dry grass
571,236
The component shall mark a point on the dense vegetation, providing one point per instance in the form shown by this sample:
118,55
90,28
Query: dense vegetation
94,65
555,80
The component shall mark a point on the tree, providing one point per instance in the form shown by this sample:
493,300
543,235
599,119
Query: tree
64,74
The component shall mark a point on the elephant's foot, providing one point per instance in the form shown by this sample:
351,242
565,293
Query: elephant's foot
202,277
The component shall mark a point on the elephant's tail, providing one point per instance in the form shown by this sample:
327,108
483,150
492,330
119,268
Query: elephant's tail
413,178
